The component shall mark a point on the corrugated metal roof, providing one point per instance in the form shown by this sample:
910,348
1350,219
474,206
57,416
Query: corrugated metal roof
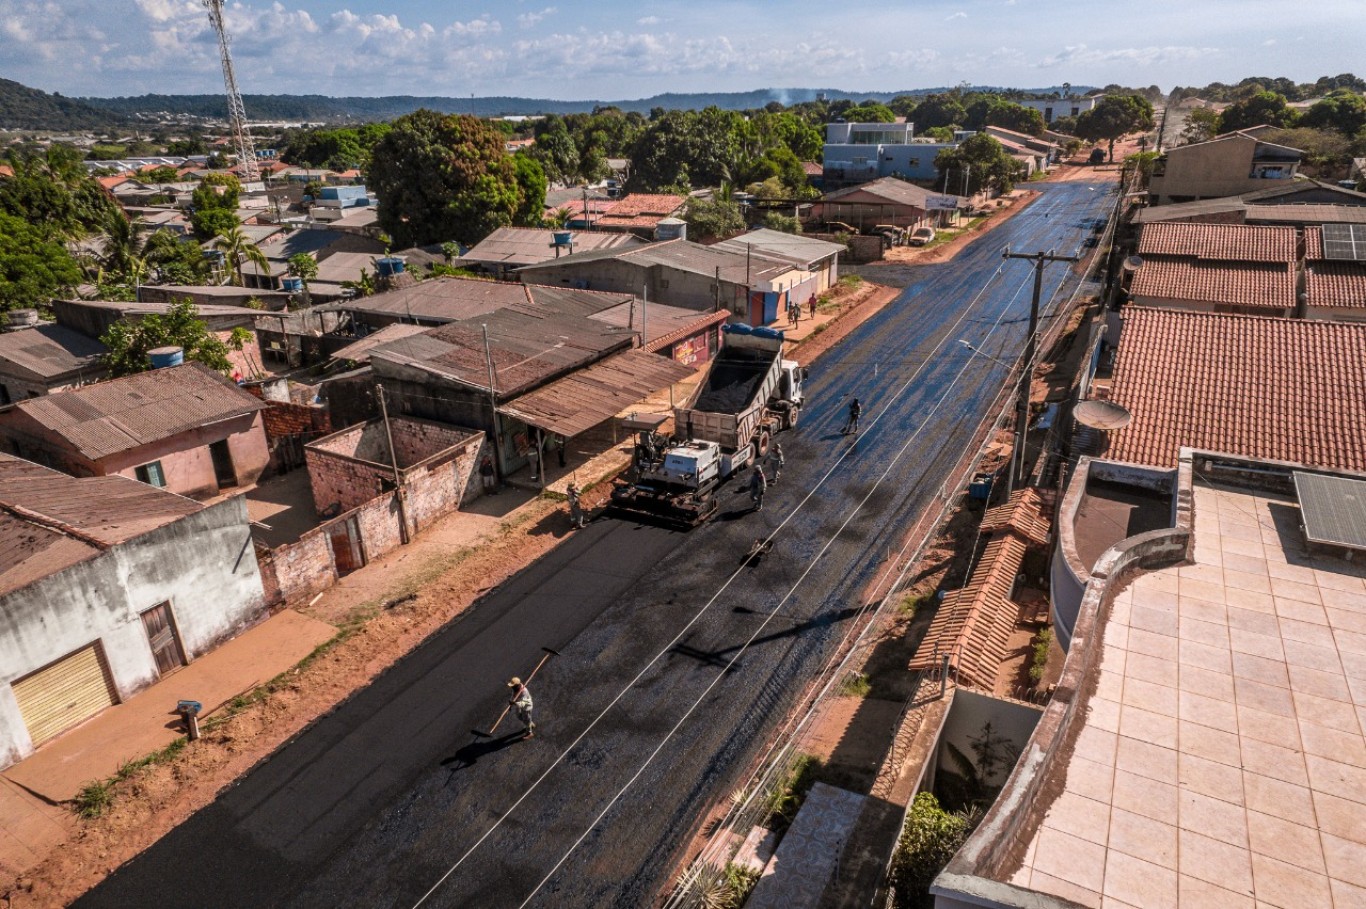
794,247
529,346
893,190
49,351
578,402
683,255
50,521
516,246
359,352
121,414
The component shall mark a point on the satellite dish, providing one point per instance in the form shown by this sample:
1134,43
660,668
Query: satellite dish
1133,263
1105,415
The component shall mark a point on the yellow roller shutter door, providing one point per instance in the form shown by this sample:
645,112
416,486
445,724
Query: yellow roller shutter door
59,696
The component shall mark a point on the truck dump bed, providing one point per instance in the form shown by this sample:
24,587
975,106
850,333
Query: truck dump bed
743,375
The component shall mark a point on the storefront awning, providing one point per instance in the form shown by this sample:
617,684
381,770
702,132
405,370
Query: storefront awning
578,402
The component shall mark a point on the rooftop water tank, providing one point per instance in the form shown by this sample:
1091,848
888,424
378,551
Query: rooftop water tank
163,357
389,266
671,229
292,285
562,238
23,318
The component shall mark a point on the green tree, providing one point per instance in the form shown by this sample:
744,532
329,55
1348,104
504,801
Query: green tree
717,218
684,148
443,177
938,110
302,266
214,206
34,267
1326,151
1343,110
1263,108
52,191
870,112
1017,117
164,174
130,342
1114,117
928,842
124,257
776,220
556,151
985,161
237,246
1202,124
532,183
176,260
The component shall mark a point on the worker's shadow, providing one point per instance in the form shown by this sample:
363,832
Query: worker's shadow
481,746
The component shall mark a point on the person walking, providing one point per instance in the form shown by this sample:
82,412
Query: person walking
758,485
521,701
776,456
855,411
488,476
575,507
811,306
561,443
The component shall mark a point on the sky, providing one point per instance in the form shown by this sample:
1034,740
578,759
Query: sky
628,49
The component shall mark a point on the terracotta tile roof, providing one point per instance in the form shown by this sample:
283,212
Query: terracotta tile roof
1267,284
121,414
1335,284
813,168
1226,242
1027,513
1285,389
659,204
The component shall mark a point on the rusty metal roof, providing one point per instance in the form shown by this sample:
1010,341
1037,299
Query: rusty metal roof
582,400
115,416
50,521
49,351
529,346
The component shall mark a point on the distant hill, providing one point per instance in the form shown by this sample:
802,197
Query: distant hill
22,107
320,108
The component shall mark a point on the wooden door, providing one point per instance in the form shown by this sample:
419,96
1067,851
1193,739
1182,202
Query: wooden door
162,636
346,549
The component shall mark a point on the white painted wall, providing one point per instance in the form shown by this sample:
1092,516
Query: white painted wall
204,565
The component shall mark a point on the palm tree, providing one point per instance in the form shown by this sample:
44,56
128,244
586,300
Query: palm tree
235,245
125,250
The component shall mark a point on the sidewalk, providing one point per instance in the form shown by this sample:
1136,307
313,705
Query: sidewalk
33,820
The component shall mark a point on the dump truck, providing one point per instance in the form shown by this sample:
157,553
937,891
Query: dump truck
749,394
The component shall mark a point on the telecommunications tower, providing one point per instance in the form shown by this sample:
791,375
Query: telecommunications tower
237,113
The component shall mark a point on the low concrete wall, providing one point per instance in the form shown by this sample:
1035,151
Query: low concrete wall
980,869
1068,574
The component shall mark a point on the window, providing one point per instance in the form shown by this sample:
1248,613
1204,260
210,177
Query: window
151,474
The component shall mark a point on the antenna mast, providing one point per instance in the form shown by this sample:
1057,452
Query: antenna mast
237,113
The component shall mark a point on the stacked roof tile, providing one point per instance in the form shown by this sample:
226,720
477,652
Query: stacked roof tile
973,625
1281,389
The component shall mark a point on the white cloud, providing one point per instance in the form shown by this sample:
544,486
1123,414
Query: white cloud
1081,55
526,20
958,15
649,20
1269,42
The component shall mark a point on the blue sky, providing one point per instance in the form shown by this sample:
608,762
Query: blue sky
624,49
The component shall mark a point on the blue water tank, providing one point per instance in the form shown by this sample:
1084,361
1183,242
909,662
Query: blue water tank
562,238
292,285
163,357
389,266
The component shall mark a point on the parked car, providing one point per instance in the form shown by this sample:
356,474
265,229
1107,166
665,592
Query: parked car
1097,156
834,227
921,235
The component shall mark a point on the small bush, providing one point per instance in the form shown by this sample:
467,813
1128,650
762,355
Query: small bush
852,282
1039,662
855,685
94,799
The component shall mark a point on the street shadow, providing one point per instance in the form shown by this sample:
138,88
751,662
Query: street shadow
556,524
481,746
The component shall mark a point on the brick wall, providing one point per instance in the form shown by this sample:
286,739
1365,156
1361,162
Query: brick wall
344,482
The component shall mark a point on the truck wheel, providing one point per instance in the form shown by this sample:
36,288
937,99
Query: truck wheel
761,445
792,416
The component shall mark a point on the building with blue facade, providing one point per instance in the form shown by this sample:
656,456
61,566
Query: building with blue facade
860,152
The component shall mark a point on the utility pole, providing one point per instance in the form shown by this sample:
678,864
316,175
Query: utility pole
398,477
1040,259
493,405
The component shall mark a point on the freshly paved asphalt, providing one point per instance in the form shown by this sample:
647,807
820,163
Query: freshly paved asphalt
376,802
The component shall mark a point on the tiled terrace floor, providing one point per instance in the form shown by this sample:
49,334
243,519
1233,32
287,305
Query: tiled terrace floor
1222,762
